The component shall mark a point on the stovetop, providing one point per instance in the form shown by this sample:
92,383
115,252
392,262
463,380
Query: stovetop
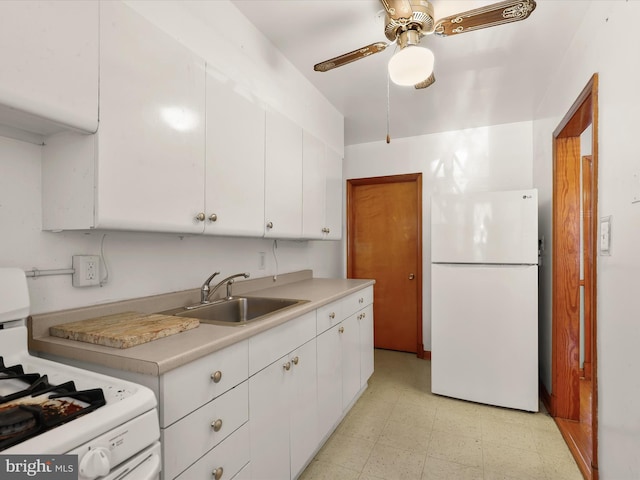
30,405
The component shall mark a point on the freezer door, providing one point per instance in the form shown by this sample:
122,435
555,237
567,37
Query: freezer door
484,327
485,227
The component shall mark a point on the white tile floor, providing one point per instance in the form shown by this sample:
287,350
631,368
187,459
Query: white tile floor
399,430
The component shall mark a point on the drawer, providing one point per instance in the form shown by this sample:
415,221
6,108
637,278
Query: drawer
232,455
193,436
354,302
266,347
328,316
189,387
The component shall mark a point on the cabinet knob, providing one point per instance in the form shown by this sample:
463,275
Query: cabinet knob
328,230
216,376
269,224
287,366
217,473
332,315
341,330
200,217
213,217
216,425
295,360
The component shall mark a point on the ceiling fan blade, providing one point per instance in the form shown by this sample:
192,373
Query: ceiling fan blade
397,9
350,57
430,80
484,17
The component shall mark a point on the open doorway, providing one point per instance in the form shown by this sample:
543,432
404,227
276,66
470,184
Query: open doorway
574,400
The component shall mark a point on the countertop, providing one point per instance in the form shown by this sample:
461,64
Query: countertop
160,356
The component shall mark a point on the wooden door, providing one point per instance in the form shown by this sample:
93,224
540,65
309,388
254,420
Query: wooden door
574,398
384,237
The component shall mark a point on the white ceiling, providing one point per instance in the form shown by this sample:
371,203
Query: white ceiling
486,77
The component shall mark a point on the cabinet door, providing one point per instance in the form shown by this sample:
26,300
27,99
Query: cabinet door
151,136
235,160
350,344
283,178
313,187
333,195
365,318
304,406
269,422
49,65
329,380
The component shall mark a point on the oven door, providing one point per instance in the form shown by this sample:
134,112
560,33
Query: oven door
143,466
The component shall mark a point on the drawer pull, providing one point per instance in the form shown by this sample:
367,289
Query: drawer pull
287,366
217,473
217,425
341,330
295,360
361,300
332,315
216,376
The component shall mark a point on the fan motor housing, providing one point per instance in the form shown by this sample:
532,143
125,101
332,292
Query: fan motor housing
421,20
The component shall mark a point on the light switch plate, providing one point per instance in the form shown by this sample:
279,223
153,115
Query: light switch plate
605,236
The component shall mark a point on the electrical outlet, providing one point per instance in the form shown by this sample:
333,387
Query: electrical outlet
86,270
263,261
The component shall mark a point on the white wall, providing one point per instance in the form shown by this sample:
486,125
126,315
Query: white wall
479,159
605,44
147,264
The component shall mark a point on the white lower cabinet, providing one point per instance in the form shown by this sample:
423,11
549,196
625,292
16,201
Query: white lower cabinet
329,380
365,319
350,346
228,460
283,415
205,428
204,409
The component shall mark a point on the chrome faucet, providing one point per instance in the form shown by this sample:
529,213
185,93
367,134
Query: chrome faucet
206,291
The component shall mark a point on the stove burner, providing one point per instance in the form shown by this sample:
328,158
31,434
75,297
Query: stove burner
15,420
34,405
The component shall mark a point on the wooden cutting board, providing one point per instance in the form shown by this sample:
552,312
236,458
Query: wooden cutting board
123,330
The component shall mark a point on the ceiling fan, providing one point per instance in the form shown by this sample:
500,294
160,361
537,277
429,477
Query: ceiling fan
407,21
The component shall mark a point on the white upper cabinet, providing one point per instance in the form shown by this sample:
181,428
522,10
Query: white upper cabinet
49,68
235,159
321,190
152,124
144,169
333,195
283,178
313,188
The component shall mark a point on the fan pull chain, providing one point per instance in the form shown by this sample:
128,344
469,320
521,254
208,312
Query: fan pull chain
388,136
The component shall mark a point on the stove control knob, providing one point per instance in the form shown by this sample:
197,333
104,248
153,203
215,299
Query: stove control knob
96,463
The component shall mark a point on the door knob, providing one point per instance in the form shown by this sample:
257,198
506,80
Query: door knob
411,276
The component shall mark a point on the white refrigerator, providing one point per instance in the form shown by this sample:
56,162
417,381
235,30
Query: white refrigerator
484,297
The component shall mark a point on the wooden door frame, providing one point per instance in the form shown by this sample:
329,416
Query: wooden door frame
565,344
411,177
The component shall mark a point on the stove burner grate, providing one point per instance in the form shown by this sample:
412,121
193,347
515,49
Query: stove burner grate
40,406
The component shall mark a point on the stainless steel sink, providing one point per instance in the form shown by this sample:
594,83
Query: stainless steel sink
237,310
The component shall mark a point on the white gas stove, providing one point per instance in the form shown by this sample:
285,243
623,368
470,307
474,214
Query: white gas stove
50,408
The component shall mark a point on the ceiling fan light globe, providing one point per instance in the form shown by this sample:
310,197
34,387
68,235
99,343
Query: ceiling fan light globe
411,65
